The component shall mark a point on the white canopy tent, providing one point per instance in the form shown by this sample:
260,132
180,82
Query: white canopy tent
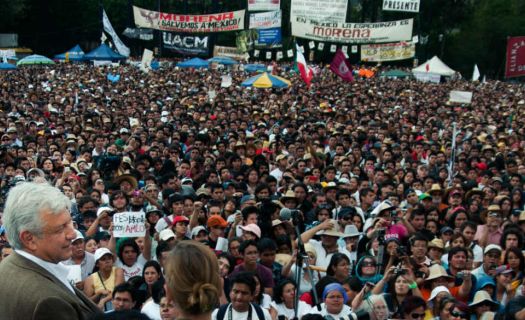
432,70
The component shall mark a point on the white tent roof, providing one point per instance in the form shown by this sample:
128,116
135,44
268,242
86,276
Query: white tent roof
435,66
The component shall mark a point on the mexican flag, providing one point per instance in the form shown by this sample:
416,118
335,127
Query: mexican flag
306,73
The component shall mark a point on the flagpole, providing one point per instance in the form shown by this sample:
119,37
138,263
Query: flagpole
452,155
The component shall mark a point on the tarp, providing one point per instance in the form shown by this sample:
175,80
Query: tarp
434,66
223,60
193,63
7,66
255,68
103,52
74,54
395,74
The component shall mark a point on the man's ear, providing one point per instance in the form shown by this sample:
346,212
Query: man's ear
28,240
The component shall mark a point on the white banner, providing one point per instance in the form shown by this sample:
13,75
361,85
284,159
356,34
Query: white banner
231,52
214,22
460,96
401,5
375,32
121,47
427,77
147,57
129,224
388,51
265,20
226,81
319,10
263,5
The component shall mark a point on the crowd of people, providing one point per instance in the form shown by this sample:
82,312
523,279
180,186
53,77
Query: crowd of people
335,201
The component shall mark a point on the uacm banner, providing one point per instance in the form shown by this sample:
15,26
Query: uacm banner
215,22
388,51
185,43
263,5
401,5
319,10
515,66
375,32
265,20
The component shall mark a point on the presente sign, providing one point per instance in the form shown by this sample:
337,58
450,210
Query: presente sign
388,51
263,5
374,32
265,20
185,43
401,5
215,22
319,10
129,224
515,66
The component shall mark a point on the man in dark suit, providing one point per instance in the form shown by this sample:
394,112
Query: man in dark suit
33,284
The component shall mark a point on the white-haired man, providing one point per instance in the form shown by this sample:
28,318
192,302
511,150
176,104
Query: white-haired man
33,284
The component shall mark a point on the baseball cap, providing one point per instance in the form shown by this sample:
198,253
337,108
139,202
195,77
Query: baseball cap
492,247
280,157
424,196
101,252
216,221
102,209
253,228
446,229
504,269
166,234
195,231
178,219
77,236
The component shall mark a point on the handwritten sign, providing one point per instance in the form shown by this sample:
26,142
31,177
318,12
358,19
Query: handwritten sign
129,224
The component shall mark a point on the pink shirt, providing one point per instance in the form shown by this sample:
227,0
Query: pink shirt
493,238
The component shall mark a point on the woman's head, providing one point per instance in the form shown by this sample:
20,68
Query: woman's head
413,308
515,259
192,277
334,297
151,272
129,252
339,266
376,307
368,266
284,291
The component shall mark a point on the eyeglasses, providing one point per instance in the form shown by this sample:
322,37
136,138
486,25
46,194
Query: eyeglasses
457,314
417,315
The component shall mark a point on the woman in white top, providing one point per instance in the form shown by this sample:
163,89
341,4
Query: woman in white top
283,305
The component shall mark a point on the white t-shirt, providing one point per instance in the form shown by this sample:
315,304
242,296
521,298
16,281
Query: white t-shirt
344,314
241,315
282,310
134,270
151,309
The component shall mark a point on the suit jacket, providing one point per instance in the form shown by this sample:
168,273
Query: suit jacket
28,291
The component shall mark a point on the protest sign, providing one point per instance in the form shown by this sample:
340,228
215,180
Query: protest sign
515,66
460,96
129,224
319,10
265,20
263,5
374,32
388,51
215,22
401,5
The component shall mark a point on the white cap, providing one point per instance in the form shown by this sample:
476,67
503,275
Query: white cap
195,231
437,290
102,209
101,252
166,234
78,236
492,247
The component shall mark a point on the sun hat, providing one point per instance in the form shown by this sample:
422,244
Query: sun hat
437,271
253,228
437,290
483,296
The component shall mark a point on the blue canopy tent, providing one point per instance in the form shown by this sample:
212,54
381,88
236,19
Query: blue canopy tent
103,52
74,54
193,63
255,68
7,66
227,61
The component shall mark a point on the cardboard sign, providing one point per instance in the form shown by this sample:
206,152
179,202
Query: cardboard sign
129,224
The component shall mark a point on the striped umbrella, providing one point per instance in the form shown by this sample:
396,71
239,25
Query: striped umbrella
34,59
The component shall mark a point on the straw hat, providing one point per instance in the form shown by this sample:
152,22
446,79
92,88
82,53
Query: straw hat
435,189
126,177
483,296
334,232
436,243
436,271
289,195
474,191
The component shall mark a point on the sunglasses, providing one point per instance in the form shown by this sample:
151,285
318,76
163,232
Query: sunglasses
457,314
417,315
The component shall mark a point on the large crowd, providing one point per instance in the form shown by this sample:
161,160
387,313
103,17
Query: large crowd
360,199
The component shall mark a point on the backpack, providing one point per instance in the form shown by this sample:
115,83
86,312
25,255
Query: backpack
224,307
